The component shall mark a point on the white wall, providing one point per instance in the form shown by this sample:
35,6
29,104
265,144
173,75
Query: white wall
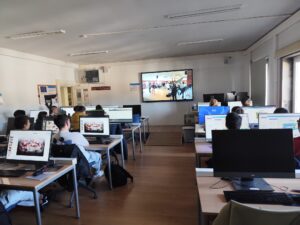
211,75
283,35
20,74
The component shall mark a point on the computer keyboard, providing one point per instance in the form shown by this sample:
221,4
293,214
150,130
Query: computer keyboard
259,197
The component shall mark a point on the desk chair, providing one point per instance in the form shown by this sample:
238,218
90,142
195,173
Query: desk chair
83,168
235,213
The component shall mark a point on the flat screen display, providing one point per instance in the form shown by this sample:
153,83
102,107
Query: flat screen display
254,111
95,126
211,110
29,145
166,86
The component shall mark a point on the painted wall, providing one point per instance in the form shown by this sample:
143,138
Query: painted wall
211,75
20,74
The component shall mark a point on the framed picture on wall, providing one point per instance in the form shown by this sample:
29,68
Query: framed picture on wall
47,93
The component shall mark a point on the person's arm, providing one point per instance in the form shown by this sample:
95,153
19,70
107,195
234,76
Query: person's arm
80,140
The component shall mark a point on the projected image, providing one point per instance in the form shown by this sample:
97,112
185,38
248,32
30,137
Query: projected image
167,86
31,147
93,127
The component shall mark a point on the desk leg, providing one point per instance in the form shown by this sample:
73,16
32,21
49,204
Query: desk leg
37,207
76,193
144,131
133,144
141,142
122,153
109,168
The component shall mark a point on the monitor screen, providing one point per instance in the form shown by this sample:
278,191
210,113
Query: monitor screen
211,110
233,104
48,124
95,113
94,126
253,153
11,124
34,113
280,121
218,122
90,107
120,115
68,110
136,109
29,145
254,111
165,86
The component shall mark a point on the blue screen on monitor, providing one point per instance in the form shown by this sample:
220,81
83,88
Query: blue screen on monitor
211,110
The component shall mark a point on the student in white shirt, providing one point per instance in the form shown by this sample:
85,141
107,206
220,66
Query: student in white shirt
64,125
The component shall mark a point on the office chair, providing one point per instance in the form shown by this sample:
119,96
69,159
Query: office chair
235,213
83,168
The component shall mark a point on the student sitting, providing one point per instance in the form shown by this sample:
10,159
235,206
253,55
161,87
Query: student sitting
64,125
237,109
233,121
213,102
247,102
281,110
54,111
99,107
79,111
39,122
22,123
19,112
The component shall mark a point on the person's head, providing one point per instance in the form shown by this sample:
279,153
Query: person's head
53,110
247,101
22,123
237,109
75,108
62,122
213,102
99,107
81,108
42,115
233,121
281,110
19,112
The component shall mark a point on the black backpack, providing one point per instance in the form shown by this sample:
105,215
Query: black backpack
4,217
118,174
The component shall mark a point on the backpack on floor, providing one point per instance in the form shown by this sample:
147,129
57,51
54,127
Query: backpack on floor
4,217
118,174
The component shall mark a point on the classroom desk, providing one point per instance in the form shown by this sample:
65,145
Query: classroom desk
133,129
26,184
117,139
145,123
202,149
212,200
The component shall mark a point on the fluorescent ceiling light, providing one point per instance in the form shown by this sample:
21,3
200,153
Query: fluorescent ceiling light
199,42
204,12
88,53
35,34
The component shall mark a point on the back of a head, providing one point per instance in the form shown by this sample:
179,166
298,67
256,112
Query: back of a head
247,101
21,122
42,115
99,107
53,110
237,109
233,121
19,112
81,108
60,120
213,102
76,108
281,110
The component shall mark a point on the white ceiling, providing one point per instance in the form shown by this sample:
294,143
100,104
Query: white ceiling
151,34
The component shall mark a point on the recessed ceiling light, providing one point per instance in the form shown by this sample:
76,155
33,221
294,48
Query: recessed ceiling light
204,12
89,53
199,42
35,34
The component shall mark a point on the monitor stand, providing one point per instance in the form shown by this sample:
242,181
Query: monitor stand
251,184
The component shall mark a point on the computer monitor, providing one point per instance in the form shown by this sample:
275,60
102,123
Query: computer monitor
48,124
233,104
247,154
29,146
120,115
220,97
68,110
34,113
211,110
136,109
218,122
230,96
11,124
280,121
240,96
254,111
90,107
95,113
94,126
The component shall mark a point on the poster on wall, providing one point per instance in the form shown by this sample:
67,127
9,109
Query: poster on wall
47,94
